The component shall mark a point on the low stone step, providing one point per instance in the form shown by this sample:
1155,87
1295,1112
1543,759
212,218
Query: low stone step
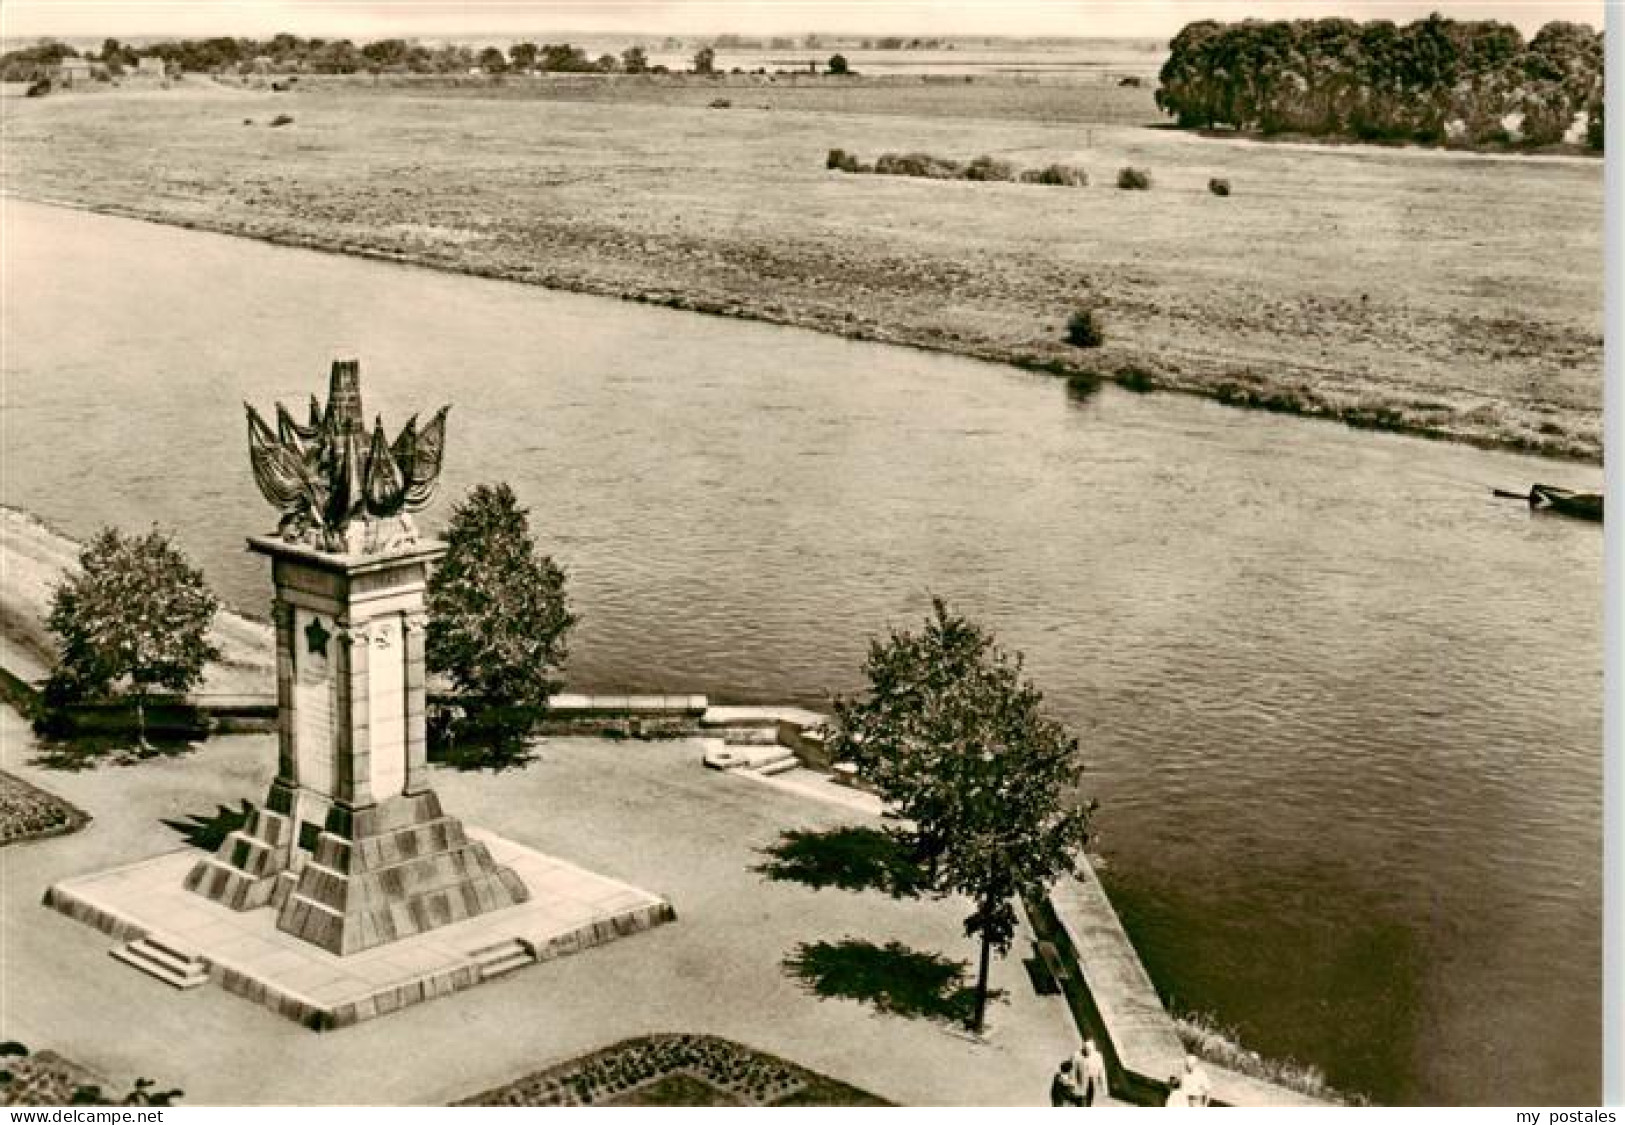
729,756
178,970
503,957
174,949
780,765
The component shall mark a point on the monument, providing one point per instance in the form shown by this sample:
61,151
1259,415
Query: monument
351,846
350,892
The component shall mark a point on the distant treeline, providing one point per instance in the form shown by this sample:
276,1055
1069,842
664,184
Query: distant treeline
396,56
1435,80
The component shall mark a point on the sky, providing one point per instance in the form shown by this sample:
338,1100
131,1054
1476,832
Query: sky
438,18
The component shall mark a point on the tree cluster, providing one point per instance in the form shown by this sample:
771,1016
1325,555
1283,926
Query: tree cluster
1433,80
29,64
323,56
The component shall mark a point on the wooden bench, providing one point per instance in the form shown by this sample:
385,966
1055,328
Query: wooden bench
1052,964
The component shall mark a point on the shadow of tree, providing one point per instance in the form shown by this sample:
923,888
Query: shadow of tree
849,858
209,832
891,977
492,741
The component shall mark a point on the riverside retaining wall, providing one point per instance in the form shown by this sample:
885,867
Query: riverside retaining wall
1116,1002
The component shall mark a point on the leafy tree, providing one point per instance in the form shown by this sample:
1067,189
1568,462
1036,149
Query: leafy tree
116,57
338,56
452,58
27,64
634,61
837,64
954,737
705,61
523,56
564,58
136,610
394,55
493,61
497,611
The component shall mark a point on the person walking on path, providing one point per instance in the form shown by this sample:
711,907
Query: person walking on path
1064,1088
1195,1083
1092,1071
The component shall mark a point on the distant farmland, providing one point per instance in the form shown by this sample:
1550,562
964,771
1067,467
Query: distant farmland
1449,294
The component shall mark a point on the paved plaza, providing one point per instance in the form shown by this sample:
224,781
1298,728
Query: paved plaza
569,910
644,814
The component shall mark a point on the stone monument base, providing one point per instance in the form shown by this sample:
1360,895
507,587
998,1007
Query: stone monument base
376,875
186,939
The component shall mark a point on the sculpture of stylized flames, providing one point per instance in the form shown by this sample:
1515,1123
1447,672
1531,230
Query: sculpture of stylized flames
337,489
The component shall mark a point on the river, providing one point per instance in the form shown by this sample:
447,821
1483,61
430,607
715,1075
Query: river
1341,708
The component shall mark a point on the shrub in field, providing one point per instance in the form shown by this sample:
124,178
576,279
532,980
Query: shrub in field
1134,179
989,168
1136,379
1082,384
1057,175
842,161
921,164
280,120
1083,329
1219,186
721,103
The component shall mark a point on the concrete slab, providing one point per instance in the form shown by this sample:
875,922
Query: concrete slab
643,812
571,909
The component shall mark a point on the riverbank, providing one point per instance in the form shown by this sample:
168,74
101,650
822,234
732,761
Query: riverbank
34,557
1446,297
766,743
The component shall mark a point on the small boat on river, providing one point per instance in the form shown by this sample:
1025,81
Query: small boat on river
1549,497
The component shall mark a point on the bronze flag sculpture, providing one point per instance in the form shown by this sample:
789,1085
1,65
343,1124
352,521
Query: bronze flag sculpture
337,489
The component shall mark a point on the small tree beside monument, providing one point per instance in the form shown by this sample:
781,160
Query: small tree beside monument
498,617
137,611
955,739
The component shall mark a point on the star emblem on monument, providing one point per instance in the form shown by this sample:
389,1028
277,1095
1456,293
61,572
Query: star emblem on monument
316,637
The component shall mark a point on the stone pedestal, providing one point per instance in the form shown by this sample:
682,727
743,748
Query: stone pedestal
352,847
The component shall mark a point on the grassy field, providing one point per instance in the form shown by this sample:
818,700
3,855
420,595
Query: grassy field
1448,294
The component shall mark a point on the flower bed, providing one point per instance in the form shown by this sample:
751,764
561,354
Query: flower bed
674,1070
45,1078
